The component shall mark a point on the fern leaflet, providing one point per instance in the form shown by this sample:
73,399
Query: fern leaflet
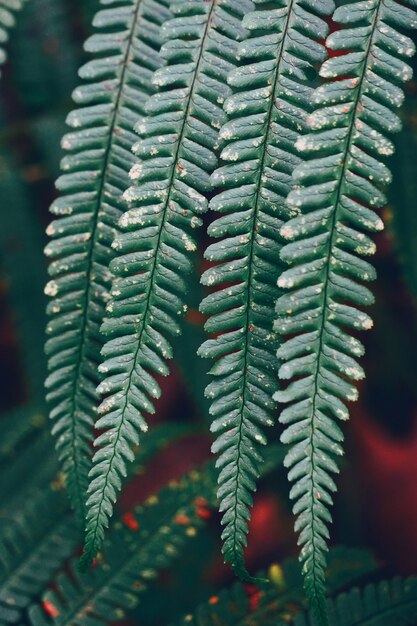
95,176
176,154
339,186
267,111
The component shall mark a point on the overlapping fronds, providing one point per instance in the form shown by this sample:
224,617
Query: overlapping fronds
339,190
8,10
117,83
176,152
388,603
148,540
267,111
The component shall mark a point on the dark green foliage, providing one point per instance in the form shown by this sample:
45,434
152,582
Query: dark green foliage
339,186
132,557
35,539
281,601
267,111
388,603
37,532
117,83
176,153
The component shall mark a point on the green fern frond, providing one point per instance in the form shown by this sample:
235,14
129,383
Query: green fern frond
267,110
158,531
8,10
177,155
339,188
117,83
388,603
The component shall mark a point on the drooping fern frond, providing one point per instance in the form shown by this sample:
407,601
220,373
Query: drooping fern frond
177,155
388,603
267,110
117,83
339,188
8,10
147,540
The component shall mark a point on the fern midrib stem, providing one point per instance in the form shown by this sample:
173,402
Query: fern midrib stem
250,259
333,224
90,260
140,329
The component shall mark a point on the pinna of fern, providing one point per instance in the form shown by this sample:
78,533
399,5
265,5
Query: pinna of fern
176,157
267,111
339,186
95,175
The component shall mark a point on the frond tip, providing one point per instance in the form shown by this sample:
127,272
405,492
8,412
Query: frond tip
267,110
338,188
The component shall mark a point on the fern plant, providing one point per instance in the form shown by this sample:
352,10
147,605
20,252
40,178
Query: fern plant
274,116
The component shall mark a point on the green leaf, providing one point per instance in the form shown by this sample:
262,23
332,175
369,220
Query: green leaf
339,186
176,156
267,111
117,81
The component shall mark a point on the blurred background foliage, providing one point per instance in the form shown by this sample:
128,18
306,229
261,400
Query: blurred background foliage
377,501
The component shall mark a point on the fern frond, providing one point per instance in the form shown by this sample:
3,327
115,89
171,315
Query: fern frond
176,153
267,110
117,83
152,539
8,10
339,188
388,603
